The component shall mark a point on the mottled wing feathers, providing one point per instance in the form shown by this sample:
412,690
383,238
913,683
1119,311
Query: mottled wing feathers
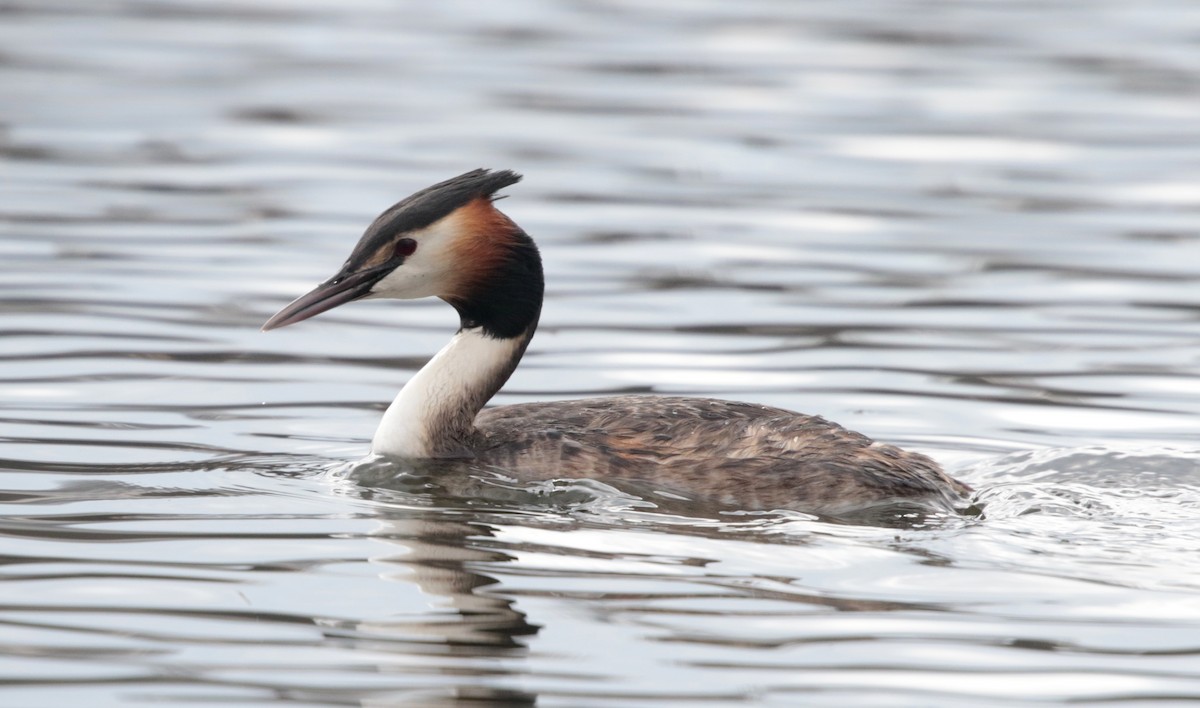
739,453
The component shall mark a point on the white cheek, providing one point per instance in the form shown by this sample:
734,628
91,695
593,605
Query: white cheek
425,273
409,281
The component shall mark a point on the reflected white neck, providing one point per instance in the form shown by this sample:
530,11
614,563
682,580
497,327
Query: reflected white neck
434,414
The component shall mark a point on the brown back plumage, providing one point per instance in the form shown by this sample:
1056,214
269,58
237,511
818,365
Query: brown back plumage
739,454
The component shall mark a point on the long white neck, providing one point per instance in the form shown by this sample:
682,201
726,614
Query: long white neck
434,414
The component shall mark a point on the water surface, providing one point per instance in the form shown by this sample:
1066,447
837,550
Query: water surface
967,228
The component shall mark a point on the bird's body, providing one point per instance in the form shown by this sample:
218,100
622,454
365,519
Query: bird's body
733,454
449,241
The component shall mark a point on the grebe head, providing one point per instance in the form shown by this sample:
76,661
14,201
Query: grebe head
447,241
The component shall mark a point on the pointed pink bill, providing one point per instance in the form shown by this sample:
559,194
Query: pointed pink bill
336,291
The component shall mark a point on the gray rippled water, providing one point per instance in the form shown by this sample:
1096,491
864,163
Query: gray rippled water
968,228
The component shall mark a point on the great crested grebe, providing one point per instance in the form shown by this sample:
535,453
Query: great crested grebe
450,241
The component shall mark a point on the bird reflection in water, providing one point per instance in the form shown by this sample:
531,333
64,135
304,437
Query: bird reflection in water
470,635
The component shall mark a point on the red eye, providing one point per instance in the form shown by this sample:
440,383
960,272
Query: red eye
404,248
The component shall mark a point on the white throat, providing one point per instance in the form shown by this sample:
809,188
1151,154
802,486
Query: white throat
434,414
